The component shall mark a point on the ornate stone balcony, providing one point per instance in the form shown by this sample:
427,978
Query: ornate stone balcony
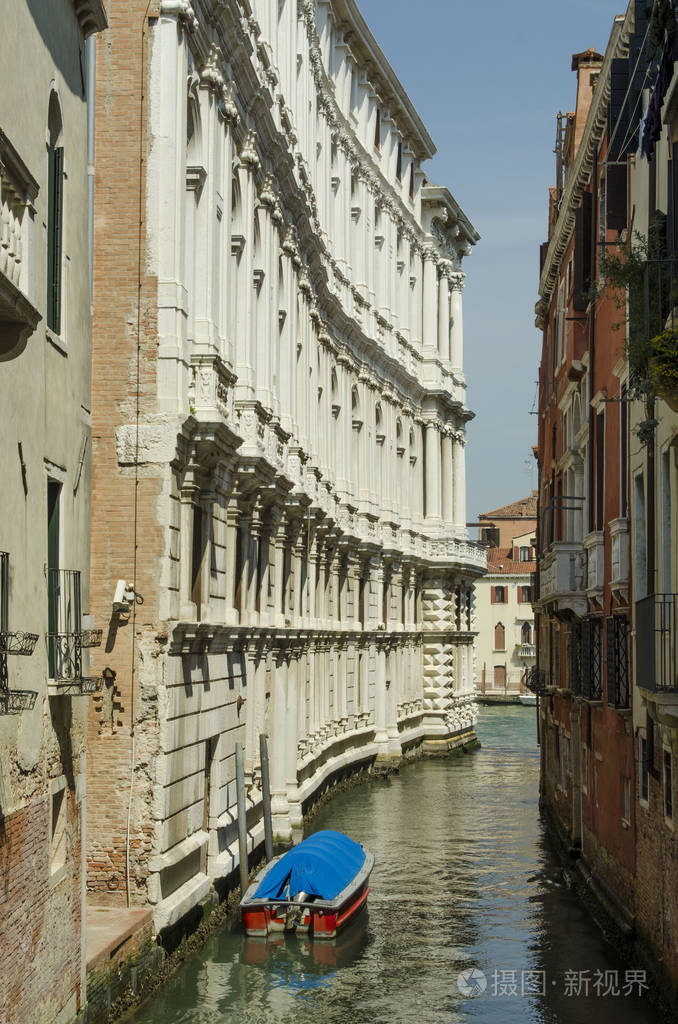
619,532
562,577
594,545
18,190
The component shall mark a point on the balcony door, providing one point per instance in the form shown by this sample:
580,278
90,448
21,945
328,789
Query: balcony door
53,530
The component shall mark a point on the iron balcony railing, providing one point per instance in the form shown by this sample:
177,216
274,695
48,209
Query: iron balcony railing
585,658
66,638
657,642
536,680
12,702
618,680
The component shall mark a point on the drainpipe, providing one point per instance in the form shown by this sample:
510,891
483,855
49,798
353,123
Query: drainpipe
91,52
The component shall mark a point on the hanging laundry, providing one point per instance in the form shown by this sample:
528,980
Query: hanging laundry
652,123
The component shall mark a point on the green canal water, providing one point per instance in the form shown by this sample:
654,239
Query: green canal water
469,918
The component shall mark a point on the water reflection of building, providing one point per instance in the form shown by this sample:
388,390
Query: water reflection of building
280,413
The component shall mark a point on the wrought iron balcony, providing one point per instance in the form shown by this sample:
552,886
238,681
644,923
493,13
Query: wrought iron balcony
536,680
657,642
12,702
66,638
618,676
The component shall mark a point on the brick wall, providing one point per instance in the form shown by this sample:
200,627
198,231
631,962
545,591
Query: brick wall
123,317
41,921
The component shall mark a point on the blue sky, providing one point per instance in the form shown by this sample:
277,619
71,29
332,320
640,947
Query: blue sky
488,80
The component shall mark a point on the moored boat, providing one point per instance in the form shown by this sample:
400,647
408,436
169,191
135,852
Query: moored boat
528,698
315,888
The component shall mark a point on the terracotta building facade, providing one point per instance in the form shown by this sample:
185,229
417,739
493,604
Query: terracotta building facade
278,541
607,611
583,604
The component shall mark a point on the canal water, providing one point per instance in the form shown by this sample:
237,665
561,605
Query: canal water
470,917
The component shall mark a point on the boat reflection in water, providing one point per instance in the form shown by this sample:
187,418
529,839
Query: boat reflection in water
287,955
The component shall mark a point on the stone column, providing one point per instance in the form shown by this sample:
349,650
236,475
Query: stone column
457,322
256,696
459,485
190,496
279,757
287,382
381,737
265,593
430,299
448,479
437,654
394,745
292,741
253,565
444,313
433,496
247,344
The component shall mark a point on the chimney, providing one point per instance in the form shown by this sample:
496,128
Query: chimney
587,65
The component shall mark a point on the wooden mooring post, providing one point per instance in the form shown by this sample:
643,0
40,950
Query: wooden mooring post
266,797
242,817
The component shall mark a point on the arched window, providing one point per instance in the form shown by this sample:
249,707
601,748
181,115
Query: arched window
499,637
526,633
55,203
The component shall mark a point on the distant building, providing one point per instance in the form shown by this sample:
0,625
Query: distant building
505,646
45,468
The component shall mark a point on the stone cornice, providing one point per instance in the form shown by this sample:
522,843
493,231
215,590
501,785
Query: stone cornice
358,36
584,163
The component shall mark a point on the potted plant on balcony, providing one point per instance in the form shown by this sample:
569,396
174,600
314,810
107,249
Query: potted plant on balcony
644,283
662,366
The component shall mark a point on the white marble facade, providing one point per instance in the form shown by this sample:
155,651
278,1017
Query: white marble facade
311,413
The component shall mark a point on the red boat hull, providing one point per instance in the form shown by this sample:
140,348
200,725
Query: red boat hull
320,923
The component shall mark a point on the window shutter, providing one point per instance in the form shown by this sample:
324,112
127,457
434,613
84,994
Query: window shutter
618,110
54,235
616,197
494,595
582,253
673,202
649,733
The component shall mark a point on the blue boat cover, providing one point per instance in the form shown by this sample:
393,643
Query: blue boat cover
321,865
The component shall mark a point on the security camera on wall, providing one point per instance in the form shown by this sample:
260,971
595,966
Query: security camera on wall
123,598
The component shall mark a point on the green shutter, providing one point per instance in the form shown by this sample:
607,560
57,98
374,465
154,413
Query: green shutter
54,238
53,496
